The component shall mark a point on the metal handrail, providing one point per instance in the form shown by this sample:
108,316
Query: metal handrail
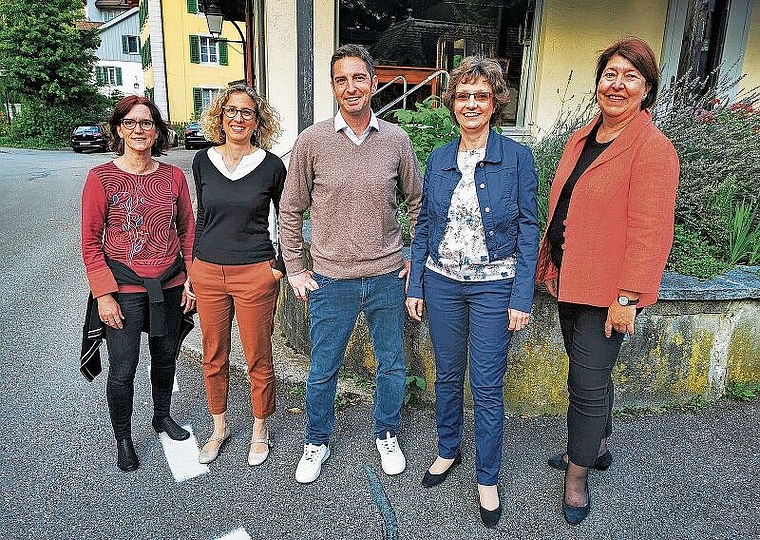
393,80
445,82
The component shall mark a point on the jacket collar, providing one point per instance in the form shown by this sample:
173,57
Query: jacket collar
493,155
622,142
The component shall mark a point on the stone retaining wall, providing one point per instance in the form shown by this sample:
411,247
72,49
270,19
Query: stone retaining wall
700,337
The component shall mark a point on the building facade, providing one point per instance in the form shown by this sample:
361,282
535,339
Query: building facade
118,68
184,67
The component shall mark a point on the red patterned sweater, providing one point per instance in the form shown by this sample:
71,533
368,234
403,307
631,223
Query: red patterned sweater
143,221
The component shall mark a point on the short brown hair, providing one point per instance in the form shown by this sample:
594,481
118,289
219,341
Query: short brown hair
268,130
640,54
471,69
353,51
121,110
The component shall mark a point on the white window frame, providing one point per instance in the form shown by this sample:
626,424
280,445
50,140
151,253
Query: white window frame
208,95
136,41
211,48
109,75
734,46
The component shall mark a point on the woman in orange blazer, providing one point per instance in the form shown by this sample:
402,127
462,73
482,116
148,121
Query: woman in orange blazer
610,231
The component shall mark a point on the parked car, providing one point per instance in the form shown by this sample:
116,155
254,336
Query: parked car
194,137
90,136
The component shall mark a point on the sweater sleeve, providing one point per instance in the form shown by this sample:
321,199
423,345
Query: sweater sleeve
410,181
296,198
94,216
651,207
201,212
185,220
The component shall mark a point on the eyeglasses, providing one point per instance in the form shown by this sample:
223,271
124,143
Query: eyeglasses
130,124
480,97
232,112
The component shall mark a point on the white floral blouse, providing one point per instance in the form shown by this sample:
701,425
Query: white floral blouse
463,254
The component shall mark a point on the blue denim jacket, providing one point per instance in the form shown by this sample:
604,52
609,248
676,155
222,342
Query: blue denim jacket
506,185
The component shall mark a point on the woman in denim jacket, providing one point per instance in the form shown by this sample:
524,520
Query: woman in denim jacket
473,264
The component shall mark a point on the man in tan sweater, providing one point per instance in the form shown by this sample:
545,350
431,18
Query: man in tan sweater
348,170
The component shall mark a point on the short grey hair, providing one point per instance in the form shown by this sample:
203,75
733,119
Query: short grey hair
471,69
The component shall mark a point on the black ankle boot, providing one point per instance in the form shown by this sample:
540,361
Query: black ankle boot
172,429
126,456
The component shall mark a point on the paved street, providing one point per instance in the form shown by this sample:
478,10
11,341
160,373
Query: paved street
677,475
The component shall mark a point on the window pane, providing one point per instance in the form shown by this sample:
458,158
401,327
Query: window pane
436,35
132,44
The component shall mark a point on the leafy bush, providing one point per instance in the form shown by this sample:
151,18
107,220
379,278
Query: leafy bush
429,126
41,126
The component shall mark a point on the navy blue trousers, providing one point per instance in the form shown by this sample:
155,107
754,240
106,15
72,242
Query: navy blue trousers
470,317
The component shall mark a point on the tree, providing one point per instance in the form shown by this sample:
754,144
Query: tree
44,56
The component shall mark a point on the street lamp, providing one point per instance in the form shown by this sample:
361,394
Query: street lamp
214,18
217,11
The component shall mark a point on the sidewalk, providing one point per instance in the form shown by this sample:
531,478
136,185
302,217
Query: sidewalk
679,475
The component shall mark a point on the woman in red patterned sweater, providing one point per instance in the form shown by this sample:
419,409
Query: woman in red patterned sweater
137,239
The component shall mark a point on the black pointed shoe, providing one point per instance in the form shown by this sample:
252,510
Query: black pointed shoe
172,429
429,479
126,456
576,514
602,463
490,518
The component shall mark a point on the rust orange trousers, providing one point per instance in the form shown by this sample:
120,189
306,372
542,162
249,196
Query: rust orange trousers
249,293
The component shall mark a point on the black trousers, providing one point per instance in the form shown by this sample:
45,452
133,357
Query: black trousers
589,380
124,353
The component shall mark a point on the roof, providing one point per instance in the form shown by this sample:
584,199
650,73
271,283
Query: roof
414,42
118,19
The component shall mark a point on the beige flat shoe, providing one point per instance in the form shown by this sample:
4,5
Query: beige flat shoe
208,456
257,458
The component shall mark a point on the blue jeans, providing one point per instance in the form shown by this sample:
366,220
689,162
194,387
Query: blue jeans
470,315
333,309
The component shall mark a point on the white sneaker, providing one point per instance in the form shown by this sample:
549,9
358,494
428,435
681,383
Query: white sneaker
310,464
391,457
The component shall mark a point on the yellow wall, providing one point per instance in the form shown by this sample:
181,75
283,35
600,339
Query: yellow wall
751,64
182,75
572,35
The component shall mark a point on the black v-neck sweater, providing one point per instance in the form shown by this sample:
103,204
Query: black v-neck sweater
232,225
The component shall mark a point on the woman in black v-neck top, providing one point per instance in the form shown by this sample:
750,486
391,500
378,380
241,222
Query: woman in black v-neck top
236,268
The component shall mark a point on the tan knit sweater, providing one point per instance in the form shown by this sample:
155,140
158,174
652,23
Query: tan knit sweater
352,194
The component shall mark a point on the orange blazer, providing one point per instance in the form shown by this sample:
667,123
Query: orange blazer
619,226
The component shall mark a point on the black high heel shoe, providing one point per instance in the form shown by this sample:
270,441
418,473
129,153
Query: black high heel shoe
576,514
172,429
429,479
126,458
602,463
490,518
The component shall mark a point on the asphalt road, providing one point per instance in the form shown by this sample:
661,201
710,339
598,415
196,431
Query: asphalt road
677,475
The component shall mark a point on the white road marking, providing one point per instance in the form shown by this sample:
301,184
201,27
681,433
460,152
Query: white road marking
238,534
182,456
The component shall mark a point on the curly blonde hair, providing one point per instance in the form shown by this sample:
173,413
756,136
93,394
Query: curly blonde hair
470,70
266,133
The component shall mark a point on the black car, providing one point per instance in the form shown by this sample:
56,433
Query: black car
194,137
92,136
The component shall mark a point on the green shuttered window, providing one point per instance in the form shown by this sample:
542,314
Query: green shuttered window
195,50
223,59
192,6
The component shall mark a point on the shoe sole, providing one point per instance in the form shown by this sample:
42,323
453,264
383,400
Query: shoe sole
319,471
